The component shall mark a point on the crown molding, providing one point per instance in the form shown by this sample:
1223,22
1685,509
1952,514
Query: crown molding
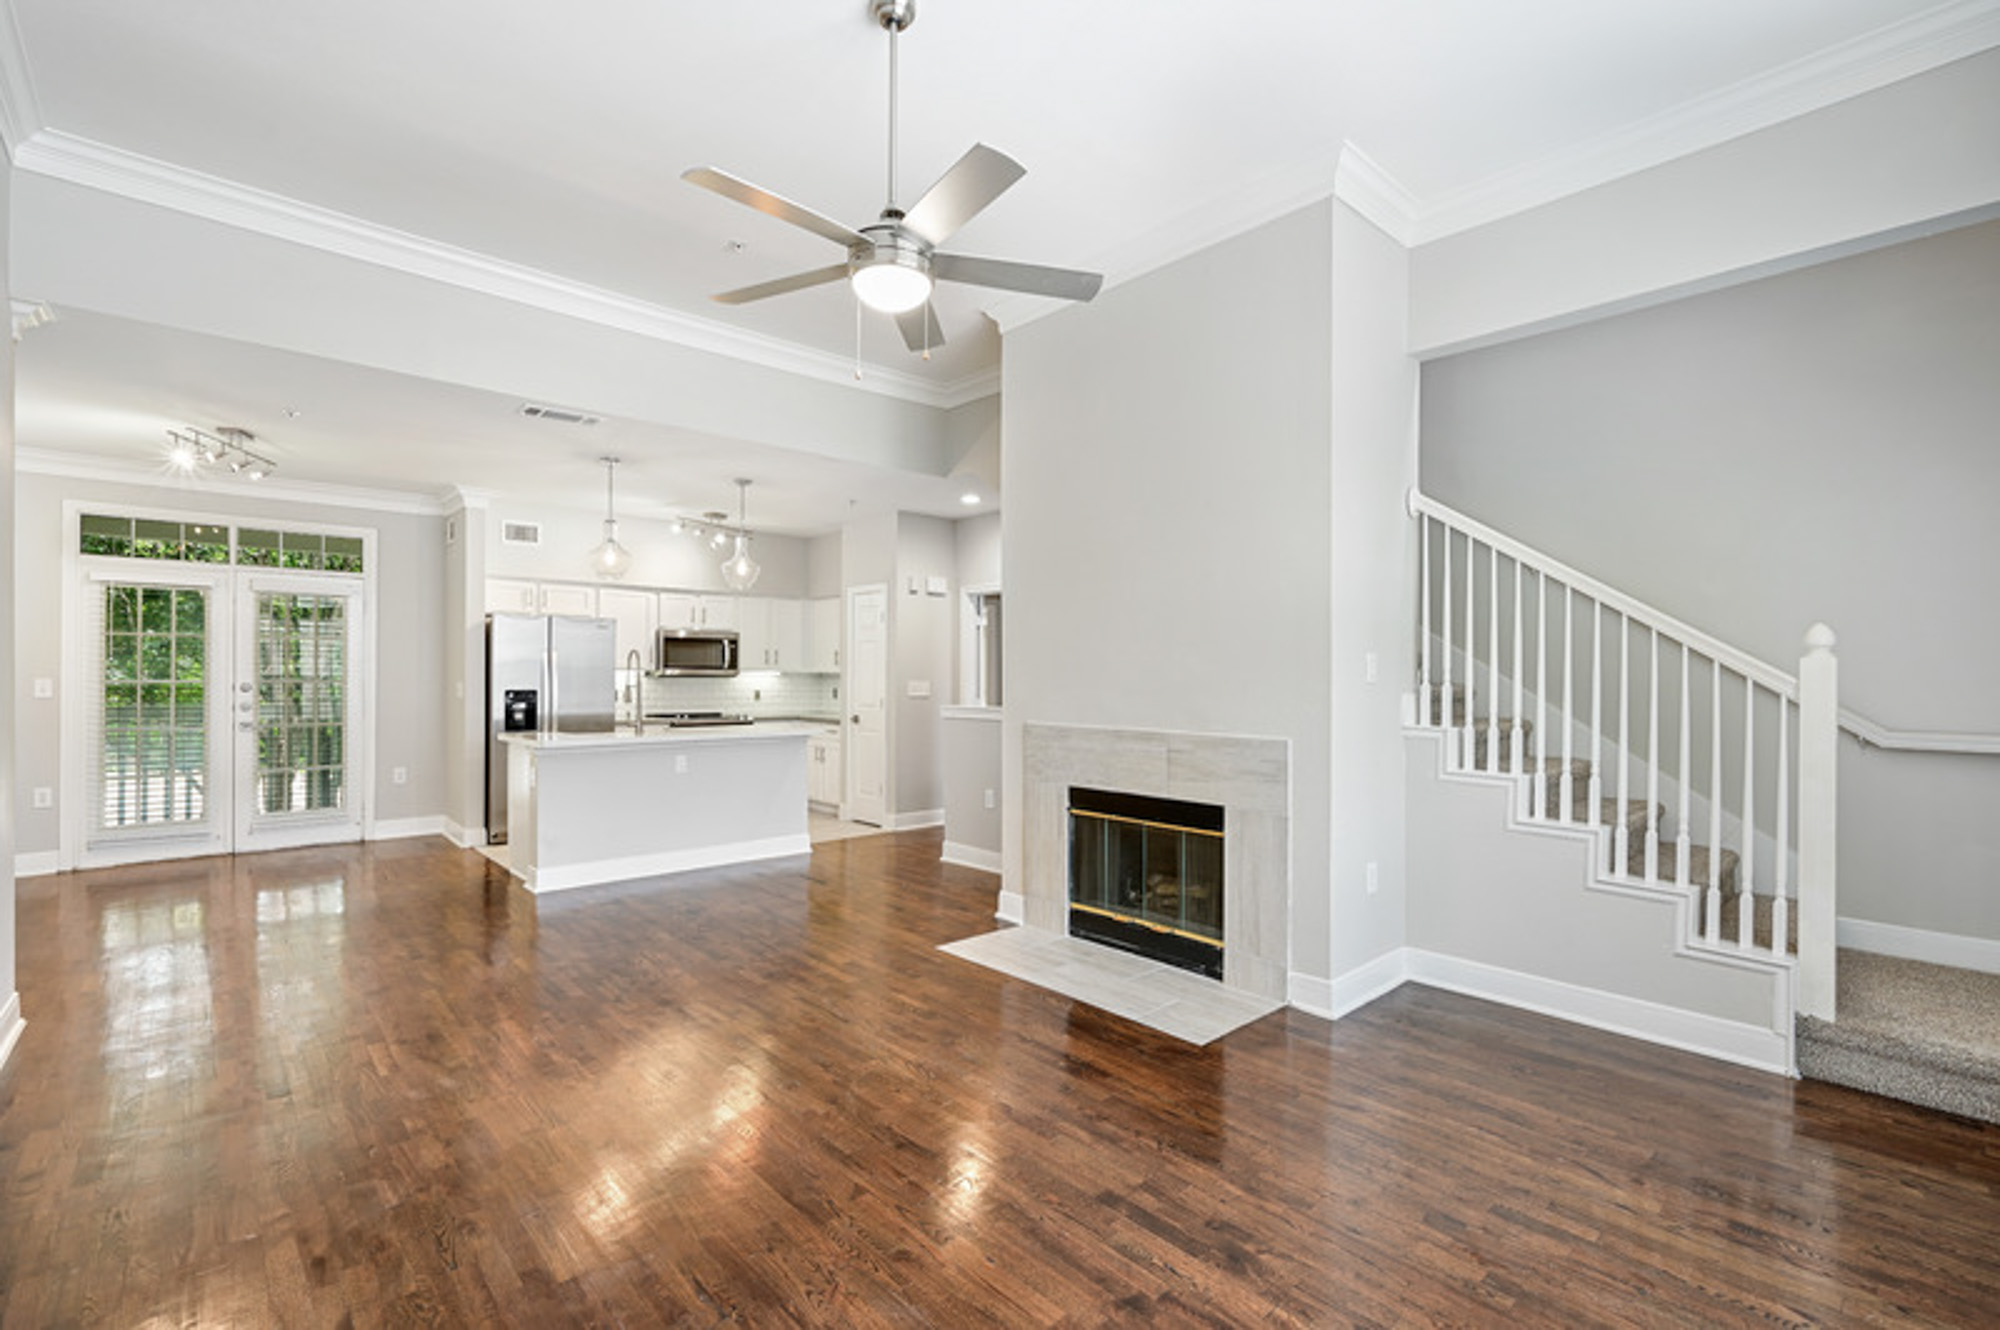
118,471
30,315
1861,65
20,110
1376,195
80,161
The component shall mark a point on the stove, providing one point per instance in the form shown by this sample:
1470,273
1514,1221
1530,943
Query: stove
688,719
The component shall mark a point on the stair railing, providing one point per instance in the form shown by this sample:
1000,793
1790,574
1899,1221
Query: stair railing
1709,770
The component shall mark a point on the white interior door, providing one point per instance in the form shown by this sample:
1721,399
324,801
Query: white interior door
157,773
867,697
295,704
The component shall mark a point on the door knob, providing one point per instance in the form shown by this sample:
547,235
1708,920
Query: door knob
855,719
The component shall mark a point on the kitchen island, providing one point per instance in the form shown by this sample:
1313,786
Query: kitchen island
589,808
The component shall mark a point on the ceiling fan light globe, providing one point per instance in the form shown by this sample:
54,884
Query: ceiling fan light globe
891,288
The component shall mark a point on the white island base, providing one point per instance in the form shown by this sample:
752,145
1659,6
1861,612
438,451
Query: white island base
589,808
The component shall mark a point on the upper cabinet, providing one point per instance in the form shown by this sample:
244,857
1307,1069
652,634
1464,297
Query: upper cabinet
636,613
773,633
505,595
558,598
684,609
823,635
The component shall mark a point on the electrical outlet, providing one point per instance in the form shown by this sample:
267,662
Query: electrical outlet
44,797
1374,879
399,775
45,688
991,802
680,764
1371,666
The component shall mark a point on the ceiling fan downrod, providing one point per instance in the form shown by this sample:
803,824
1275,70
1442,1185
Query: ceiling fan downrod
894,16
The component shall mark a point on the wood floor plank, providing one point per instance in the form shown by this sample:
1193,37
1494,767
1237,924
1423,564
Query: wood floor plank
381,1085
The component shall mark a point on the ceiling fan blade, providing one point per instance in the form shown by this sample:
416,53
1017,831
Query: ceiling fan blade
973,181
778,286
772,205
1063,283
920,328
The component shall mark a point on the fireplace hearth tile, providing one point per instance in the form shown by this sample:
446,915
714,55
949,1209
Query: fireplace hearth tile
1160,997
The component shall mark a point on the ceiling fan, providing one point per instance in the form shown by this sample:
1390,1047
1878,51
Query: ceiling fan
893,263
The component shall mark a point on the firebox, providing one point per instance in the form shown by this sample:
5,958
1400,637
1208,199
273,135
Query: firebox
1145,876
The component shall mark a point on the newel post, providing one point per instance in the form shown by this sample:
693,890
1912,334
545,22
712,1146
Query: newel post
1819,756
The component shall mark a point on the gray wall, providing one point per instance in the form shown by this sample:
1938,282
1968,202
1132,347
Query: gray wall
1166,533
970,745
921,627
411,691
1813,446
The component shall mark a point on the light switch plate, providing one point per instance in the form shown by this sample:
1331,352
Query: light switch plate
45,688
920,688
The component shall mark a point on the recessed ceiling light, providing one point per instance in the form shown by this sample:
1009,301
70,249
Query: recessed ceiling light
970,498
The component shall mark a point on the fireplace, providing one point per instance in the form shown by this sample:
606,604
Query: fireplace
1145,876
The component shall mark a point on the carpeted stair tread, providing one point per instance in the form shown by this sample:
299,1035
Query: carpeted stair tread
1698,865
1925,1034
1760,922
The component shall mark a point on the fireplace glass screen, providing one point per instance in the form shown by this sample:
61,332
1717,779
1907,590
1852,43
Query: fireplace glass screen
1145,875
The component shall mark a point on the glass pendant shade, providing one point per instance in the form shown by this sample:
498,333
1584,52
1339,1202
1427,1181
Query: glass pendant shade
611,559
739,570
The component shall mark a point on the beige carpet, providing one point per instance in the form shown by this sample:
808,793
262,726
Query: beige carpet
1927,1034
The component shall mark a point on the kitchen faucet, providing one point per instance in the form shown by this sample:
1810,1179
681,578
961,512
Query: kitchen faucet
635,692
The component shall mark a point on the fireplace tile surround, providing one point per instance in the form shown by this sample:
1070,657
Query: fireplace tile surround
1249,777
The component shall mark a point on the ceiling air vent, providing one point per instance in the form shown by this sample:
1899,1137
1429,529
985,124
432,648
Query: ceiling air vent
560,415
520,533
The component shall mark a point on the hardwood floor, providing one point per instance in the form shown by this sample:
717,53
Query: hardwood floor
379,1086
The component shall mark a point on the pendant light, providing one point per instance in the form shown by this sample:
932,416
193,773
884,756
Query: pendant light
610,560
739,570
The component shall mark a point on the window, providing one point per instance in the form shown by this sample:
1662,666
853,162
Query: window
148,538
155,725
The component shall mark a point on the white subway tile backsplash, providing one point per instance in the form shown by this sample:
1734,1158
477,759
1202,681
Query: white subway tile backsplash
763,695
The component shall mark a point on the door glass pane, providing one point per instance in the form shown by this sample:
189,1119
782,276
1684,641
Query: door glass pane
152,753
301,689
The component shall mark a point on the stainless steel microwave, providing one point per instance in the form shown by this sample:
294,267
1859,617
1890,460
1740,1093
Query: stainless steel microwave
695,651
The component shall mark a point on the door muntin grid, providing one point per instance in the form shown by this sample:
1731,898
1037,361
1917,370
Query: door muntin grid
153,752
301,666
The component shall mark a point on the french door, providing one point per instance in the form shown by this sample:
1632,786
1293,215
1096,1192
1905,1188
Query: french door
221,710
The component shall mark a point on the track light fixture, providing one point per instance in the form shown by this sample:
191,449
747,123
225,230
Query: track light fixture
228,448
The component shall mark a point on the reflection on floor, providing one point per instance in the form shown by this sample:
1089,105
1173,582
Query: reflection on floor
825,828
1160,997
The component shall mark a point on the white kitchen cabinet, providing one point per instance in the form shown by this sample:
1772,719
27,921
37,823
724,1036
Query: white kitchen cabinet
563,598
823,769
822,647
685,609
773,633
636,613
505,595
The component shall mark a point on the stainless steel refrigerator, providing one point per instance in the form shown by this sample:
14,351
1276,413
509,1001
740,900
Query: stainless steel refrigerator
553,673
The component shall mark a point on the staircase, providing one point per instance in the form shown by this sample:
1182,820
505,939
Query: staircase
1707,777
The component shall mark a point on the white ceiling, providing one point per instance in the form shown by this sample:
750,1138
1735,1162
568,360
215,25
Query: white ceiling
553,137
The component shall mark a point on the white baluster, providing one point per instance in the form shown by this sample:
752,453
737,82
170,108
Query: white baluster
1569,703
1746,865
1467,736
1519,763
1424,633
1444,718
1781,870
1712,893
1623,835
1538,793
1493,660
1652,762
1682,842
1594,788
1819,757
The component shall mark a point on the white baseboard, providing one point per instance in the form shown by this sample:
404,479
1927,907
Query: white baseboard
1918,944
402,828
11,1026
464,837
569,876
970,856
917,821
1359,987
37,863
1013,908
1310,994
1748,1045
